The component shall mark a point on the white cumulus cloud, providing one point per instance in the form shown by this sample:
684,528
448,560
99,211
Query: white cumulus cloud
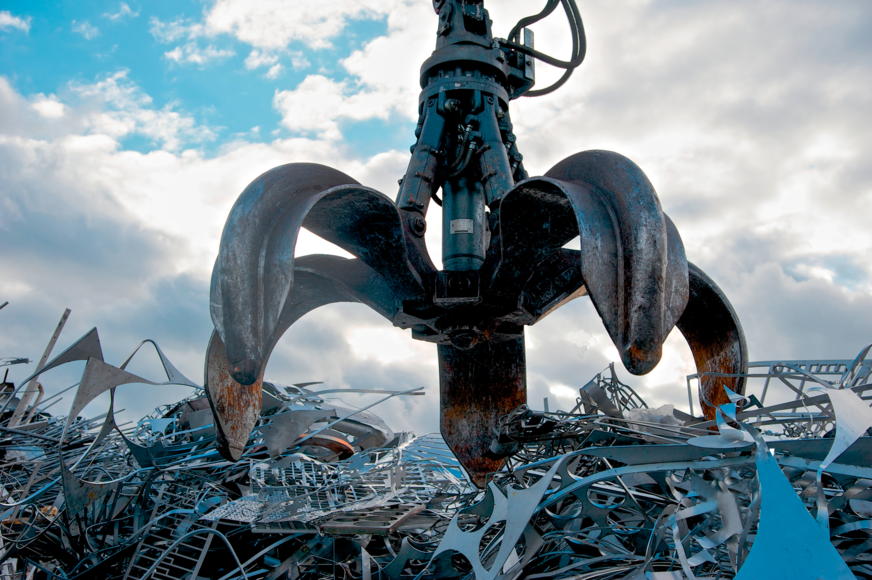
318,104
191,53
273,24
86,29
118,108
124,11
176,30
49,107
274,71
257,59
7,21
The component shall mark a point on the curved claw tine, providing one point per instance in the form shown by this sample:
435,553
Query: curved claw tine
714,333
235,407
648,292
632,259
476,387
319,280
254,272
677,288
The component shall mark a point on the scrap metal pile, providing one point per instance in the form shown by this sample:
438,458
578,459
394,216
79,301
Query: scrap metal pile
780,485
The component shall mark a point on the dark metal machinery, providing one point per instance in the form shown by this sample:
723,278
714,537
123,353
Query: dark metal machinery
504,261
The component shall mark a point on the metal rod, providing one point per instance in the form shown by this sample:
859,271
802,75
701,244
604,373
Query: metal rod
26,434
31,386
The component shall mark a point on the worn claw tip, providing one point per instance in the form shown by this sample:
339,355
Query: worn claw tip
641,361
245,372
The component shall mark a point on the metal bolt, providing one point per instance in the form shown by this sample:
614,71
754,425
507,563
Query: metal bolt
417,224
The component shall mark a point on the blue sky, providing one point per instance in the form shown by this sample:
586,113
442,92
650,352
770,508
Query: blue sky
80,42
127,131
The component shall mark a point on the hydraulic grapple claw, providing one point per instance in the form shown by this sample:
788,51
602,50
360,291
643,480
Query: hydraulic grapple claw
505,264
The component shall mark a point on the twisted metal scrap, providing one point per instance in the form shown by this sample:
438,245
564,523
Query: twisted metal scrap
611,489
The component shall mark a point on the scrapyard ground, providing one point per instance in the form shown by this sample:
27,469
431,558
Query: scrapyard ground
779,486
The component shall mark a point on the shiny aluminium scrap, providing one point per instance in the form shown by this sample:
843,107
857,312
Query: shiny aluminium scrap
778,485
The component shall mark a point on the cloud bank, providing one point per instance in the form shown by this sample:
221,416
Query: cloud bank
749,119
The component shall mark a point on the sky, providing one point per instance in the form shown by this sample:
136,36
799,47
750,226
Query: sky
128,129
